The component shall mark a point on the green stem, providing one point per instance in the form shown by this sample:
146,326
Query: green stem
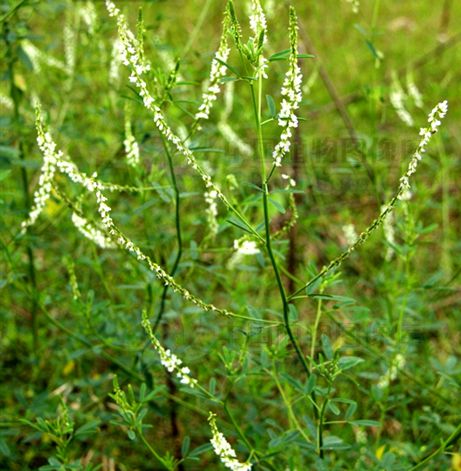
291,413
243,436
315,328
14,93
283,296
320,425
257,113
451,440
153,452
361,239
178,235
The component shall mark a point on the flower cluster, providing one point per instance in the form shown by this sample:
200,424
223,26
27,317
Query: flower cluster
291,183
389,233
56,161
130,144
212,211
246,247
217,72
116,60
350,234
291,93
48,170
37,57
397,364
434,120
132,56
168,359
70,46
6,102
91,232
355,4
223,449
87,12
234,139
414,92
397,98
258,23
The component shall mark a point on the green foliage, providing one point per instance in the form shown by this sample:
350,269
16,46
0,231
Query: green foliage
310,311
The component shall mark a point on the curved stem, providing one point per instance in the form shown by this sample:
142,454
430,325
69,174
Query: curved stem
244,438
11,58
153,452
178,235
451,440
275,267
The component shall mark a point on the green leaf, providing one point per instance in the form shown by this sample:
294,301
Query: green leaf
350,410
271,105
9,152
349,362
334,408
334,443
199,450
185,446
330,297
293,312
365,423
277,205
310,385
294,382
212,385
280,56
87,429
237,223
232,69
326,347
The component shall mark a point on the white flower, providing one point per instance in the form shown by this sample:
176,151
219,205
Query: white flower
116,60
398,97
43,190
132,57
217,72
350,234
130,144
262,67
37,57
355,5
434,121
6,102
168,359
55,160
292,96
212,210
397,363
291,181
389,231
414,92
234,139
246,247
70,45
87,12
91,232
223,449
258,21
